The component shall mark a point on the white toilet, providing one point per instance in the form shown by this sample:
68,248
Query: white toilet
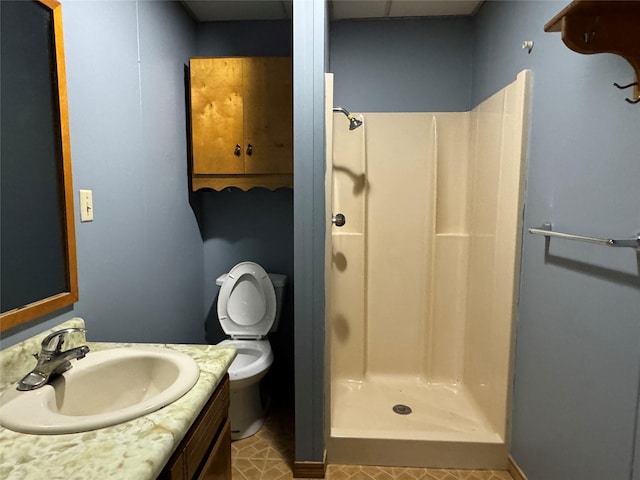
248,309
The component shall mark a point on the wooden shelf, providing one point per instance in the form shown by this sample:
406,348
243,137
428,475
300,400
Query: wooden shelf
601,27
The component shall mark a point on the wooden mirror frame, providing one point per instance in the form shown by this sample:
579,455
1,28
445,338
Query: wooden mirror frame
18,316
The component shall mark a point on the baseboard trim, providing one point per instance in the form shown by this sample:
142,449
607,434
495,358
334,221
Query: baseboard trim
311,469
515,471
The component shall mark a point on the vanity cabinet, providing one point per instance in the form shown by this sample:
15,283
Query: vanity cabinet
205,451
241,122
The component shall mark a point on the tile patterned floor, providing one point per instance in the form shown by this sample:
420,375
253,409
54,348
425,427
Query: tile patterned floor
268,455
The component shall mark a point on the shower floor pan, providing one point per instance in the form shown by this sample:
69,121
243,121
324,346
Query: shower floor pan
445,428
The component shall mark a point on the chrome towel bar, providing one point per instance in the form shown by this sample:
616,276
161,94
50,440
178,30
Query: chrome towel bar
547,231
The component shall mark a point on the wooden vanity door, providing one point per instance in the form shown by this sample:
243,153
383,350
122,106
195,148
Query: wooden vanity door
218,464
216,115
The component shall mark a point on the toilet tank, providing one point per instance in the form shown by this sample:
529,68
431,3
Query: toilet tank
279,283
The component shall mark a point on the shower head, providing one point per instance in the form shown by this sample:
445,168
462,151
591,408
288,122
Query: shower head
353,121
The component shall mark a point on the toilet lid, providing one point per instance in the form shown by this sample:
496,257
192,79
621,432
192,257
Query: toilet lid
247,302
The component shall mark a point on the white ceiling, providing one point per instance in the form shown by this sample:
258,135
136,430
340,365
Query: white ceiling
222,10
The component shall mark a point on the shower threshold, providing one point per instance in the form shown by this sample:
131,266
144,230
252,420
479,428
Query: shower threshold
445,428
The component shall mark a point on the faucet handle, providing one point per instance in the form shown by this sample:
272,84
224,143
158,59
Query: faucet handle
58,336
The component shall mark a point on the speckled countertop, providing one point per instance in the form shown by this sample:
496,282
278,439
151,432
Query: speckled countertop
133,450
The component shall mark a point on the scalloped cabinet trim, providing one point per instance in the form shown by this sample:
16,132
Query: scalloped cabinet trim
243,182
601,27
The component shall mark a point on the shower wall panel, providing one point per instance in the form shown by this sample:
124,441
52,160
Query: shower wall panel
446,337
400,262
328,244
348,285
495,223
399,241
452,178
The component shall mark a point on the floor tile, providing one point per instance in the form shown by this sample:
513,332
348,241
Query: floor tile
268,455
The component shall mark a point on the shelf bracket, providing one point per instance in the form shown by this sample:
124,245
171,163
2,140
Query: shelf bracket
590,27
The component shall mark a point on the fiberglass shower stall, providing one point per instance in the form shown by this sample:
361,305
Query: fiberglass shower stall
422,282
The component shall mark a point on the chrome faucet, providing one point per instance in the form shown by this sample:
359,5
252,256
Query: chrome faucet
52,360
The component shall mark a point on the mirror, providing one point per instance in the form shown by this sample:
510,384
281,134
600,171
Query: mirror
37,236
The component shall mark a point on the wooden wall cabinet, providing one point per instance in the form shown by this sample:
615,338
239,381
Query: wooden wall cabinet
241,122
205,452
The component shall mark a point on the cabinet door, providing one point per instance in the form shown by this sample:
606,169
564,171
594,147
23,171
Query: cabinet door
176,469
268,114
218,464
216,115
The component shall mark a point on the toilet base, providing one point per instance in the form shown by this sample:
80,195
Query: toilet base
246,412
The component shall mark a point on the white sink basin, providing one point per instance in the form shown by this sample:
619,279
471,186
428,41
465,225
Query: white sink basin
105,388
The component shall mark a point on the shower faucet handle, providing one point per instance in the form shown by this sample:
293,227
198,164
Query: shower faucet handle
338,220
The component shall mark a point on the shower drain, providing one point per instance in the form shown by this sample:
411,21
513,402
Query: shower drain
402,409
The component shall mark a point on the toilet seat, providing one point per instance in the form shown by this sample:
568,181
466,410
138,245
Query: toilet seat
247,302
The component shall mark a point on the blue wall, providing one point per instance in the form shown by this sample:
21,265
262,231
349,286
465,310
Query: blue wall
256,225
268,37
577,357
408,65
140,262
310,33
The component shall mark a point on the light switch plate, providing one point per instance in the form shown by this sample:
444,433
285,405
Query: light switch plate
86,205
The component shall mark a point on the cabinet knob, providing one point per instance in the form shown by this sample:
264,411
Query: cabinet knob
237,150
249,149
